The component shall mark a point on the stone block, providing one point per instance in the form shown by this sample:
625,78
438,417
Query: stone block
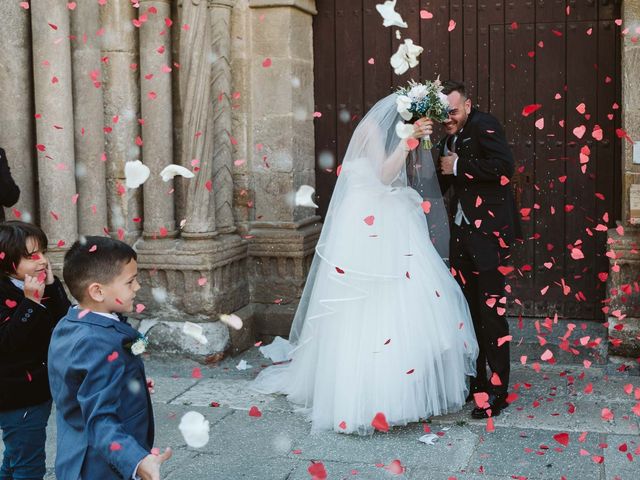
631,11
629,337
270,31
243,339
271,191
271,87
276,320
167,337
199,278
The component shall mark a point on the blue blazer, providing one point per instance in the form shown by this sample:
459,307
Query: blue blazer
104,415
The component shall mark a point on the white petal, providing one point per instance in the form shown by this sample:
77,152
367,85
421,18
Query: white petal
243,365
399,66
194,331
136,173
412,50
404,130
278,350
389,15
172,170
232,321
304,197
406,115
194,429
429,439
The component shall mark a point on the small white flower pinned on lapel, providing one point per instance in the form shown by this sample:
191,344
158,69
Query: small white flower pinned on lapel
389,15
406,57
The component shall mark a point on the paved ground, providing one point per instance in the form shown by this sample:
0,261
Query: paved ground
279,445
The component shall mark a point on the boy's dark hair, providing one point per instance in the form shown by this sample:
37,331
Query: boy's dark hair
13,243
453,86
94,259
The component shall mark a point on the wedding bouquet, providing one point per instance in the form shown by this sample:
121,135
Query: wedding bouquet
418,100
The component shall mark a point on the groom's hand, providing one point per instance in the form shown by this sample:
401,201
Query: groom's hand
446,164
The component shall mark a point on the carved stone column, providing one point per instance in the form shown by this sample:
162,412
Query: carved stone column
121,100
196,101
624,250
282,236
157,112
53,101
88,119
220,17
16,101
203,272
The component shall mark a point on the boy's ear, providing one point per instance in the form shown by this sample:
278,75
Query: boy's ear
94,291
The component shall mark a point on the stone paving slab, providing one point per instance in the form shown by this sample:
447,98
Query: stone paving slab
535,454
454,448
616,462
233,393
217,467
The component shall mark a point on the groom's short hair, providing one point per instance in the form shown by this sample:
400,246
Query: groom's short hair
454,86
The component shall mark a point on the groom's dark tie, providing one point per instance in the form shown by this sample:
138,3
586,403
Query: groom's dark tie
451,143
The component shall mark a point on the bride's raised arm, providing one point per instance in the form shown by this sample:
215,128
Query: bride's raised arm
393,164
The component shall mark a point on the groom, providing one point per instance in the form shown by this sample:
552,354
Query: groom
476,162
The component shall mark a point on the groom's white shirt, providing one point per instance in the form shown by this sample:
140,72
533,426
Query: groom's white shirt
459,213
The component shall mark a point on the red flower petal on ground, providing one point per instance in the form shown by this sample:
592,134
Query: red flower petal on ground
379,422
562,438
255,412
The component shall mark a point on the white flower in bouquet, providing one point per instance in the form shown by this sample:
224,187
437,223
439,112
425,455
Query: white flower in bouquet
406,57
443,99
404,130
390,17
404,104
418,92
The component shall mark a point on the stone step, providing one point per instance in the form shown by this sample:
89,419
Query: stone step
530,335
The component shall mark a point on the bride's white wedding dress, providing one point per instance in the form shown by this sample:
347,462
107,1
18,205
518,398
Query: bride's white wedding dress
382,326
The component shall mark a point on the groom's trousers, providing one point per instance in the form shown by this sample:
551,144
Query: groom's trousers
476,258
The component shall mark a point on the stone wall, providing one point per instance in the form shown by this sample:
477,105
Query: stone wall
221,87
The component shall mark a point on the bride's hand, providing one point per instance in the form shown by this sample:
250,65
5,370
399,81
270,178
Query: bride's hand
422,128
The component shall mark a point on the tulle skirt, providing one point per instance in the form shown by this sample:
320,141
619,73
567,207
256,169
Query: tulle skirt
386,328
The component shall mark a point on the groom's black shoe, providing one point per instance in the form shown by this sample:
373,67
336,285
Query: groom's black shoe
497,403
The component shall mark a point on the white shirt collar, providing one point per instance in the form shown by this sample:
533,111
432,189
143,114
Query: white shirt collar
17,283
104,314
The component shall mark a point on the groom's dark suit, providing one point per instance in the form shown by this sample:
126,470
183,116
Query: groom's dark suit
481,234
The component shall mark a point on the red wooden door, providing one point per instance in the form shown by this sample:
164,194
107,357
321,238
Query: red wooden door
564,55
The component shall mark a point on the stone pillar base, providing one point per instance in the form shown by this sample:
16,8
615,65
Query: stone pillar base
201,278
191,280
279,259
624,291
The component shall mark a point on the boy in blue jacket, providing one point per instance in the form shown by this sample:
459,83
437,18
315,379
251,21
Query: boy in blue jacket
98,383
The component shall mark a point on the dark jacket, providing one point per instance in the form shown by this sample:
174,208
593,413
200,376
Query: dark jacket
9,191
484,158
25,332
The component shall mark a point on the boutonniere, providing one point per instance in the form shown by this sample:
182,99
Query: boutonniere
139,346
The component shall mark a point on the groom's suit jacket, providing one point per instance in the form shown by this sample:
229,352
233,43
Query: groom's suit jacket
104,414
484,158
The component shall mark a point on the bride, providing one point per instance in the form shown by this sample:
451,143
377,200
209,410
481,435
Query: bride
382,326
